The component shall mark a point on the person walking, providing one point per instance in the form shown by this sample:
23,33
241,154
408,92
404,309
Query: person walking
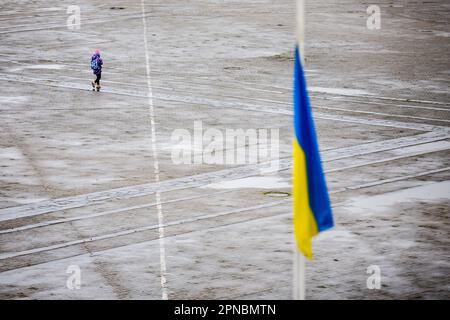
96,66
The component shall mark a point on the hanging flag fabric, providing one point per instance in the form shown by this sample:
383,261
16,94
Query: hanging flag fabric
311,203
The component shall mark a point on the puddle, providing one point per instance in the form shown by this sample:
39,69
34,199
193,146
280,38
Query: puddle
382,202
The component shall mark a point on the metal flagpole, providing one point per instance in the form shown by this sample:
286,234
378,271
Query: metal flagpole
299,275
299,258
301,29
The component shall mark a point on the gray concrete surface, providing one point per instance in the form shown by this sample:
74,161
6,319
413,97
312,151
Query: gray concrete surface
77,179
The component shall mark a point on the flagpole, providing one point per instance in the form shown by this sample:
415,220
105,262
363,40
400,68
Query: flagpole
299,258
299,275
300,32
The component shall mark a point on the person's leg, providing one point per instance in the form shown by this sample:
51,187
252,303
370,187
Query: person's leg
97,81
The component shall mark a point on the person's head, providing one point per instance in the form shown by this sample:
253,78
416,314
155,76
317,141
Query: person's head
97,51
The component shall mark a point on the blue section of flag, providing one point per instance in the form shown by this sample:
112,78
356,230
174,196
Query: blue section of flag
305,133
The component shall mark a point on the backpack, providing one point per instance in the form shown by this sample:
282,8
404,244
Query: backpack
95,65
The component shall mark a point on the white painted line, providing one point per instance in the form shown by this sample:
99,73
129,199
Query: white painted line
162,248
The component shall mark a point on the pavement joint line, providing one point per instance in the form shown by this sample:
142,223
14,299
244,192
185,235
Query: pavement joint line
247,107
314,94
41,24
99,252
107,212
191,220
4,256
53,205
64,26
368,163
285,102
121,72
411,176
383,114
102,213
96,21
381,103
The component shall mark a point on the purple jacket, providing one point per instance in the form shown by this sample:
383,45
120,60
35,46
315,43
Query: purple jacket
100,63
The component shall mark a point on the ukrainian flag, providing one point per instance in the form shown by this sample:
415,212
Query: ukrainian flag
312,209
